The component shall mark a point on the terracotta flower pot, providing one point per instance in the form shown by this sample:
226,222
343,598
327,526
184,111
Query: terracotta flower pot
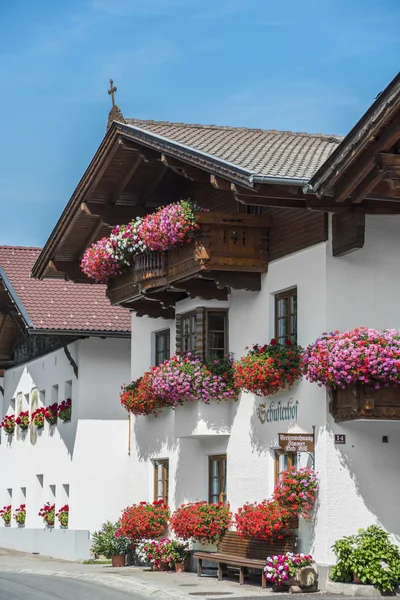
118,560
180,567
356,579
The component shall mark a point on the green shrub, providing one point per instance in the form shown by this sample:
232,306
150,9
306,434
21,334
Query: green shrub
109,542
370,556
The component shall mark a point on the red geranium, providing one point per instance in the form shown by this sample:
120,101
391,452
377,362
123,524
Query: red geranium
201,521
38,417
8,424
297,490
139,398
264,520
65,410
269,368
51,413
63,516
23,419
144,520
47,512
5,514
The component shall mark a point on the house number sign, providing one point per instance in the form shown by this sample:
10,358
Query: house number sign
278,411
340,438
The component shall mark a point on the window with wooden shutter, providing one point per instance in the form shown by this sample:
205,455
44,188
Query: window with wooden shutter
203,332
161,480
162,346
286,316
217,466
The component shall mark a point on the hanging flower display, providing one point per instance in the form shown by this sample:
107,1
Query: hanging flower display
38,417
169,226
144,520
268,369
362,355
125,242
65,410
282,567
20,514
297,490
99,263
8,424
201,521
51,413
23,420
264,520
5,514
63,516
139,397
47,512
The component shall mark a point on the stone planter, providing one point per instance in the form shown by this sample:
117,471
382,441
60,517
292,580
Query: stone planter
363,401
118,560
305,580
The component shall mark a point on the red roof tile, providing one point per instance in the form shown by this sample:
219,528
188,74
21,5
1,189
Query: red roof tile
58,304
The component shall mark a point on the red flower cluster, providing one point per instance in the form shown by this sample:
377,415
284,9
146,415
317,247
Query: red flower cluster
20,514
51,413
297,490
269,368
201,521
8,424
99,262
23,420
5,514
63,515
65,410
264,520
38,417
144,520
139,398
169,226
47,512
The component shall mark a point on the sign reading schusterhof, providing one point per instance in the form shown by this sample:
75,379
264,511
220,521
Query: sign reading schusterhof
278,411
296,442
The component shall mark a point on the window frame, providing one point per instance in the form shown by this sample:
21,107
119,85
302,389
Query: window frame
289,295
224,312
202,330
291,463
211,459
157,336
164,462
193,334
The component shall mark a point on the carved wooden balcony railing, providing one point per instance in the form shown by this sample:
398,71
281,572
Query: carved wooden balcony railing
361,401
226,251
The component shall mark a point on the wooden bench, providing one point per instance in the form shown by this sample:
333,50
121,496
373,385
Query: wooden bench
235,551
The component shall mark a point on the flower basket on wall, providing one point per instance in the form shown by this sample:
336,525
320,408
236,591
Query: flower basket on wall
47,512
20,515
5,514
63,516
51,413
201,522
65,410
8,424
23,420
145,520
268,369
38,418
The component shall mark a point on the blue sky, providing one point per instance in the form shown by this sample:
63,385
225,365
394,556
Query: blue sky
302,65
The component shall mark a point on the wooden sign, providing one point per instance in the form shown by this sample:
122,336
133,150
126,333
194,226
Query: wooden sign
340,438
296,442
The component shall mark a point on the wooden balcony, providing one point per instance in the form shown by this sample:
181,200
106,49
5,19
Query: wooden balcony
227,251
364,402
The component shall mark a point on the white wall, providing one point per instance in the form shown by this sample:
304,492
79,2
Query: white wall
85,462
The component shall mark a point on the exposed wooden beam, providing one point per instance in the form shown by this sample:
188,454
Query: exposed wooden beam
72,270
219,183
114,149
182,168
369,206
386,160
348,233
94,233
3,324
126,178
112,214
363,166
154,185
272,202
367,185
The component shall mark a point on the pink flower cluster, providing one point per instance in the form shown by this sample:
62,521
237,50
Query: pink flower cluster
361,355
187,379
281,567
169,226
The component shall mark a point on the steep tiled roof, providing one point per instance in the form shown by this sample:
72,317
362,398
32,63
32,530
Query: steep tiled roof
57,304
269,153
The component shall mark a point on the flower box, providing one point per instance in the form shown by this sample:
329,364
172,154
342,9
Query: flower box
198,419
363,401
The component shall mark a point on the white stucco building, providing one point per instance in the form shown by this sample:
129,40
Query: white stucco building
59,341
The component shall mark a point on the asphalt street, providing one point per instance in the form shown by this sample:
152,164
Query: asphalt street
20,586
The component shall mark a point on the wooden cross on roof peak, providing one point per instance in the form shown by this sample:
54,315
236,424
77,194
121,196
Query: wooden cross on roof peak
112,91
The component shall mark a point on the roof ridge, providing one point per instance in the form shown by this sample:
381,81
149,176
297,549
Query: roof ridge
331,137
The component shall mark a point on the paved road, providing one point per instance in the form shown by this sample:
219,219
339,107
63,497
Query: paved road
19,586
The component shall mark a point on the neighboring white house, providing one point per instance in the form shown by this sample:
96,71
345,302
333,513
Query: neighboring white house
59,340
325,257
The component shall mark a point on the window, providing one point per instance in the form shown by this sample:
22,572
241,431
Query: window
216,346
162,346
161,469
283,462
253,209
286,316
217,478
189,333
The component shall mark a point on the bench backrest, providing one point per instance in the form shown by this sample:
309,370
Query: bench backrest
232,543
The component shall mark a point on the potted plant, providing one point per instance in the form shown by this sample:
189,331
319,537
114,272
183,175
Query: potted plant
266,520
8,424
368,557
63,516
51,413
268,369
284,570
177,553
23,420
38,418
109,542
201,522
164,554
20,515
47,512
5,514
65,410
297,490
144,520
